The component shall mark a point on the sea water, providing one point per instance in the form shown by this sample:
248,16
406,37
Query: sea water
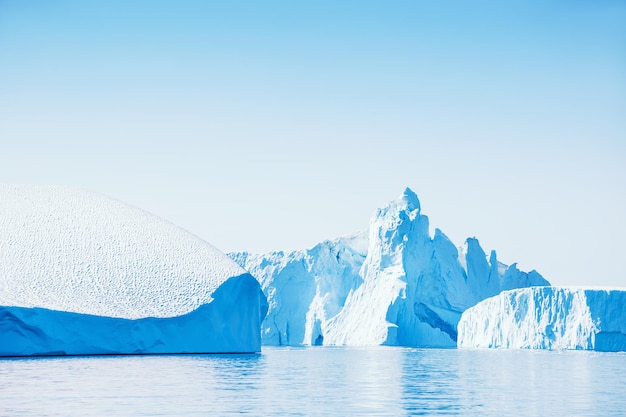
320,381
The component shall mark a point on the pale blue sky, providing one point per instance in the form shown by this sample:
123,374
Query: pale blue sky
275,125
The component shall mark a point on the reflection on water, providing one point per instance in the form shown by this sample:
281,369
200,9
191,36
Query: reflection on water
431,382
319,381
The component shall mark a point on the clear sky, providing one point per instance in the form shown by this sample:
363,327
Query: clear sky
262,125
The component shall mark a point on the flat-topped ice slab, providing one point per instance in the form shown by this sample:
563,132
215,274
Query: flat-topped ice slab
547,318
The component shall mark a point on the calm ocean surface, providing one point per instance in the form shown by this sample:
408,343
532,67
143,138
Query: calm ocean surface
382,381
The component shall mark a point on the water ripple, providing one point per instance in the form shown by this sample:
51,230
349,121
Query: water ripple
380,381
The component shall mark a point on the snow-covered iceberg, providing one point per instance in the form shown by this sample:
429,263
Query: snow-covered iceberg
81,273
393,285
547,318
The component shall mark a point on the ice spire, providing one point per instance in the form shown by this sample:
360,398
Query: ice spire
411,199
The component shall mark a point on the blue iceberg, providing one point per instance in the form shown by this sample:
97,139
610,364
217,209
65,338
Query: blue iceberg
547,318
396,284
84,274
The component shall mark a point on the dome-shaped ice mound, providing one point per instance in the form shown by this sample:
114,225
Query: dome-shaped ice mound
73,251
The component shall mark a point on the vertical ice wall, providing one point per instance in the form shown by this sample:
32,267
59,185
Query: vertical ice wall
547,318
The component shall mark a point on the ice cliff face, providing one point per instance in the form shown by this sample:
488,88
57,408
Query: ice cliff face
81,273
547,318
396,285
305,289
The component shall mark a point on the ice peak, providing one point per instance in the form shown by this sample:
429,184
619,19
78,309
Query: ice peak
411,200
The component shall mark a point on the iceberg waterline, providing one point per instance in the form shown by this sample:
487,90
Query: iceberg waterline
225,325
84,274
394,285
547,318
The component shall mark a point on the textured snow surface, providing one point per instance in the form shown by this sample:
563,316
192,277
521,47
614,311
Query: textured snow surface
81,252
547,318
393,285
124,279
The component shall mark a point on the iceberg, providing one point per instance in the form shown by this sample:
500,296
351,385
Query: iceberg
83,274
305,289
547,318
395,284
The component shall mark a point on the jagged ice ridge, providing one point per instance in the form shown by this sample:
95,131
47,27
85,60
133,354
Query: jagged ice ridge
393,285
